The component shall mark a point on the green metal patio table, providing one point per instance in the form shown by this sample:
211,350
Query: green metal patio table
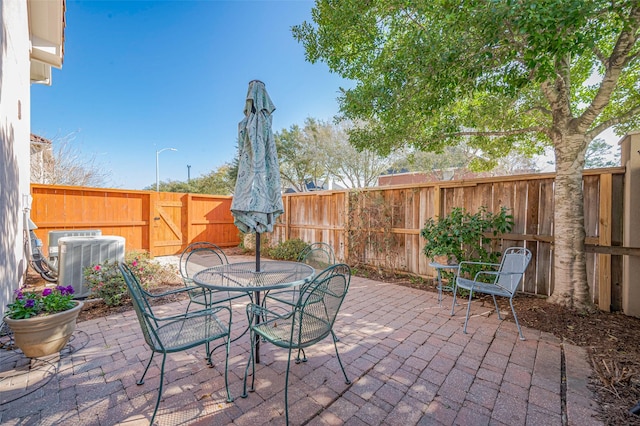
243,277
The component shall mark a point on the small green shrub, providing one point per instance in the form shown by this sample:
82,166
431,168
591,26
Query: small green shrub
287,250
107,283
464,235
248,242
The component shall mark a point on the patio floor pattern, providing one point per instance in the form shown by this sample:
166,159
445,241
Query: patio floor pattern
407,358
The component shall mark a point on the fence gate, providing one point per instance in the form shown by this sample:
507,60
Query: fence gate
166,228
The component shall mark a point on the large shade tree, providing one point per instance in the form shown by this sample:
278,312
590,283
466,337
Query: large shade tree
506,74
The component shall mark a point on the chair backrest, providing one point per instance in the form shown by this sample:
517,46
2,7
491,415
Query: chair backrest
319,304
514,262
318,255
140,305
198,256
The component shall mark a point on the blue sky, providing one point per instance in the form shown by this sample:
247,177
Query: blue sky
142,76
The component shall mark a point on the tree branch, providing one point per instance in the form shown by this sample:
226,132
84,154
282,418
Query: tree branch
598,53
562,86
549,91
537,129
615,63
542,109
413,19
612,122
631,58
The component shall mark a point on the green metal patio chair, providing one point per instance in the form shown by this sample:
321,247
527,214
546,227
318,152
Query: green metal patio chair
310,322
177,333
501,279
318,255
196,257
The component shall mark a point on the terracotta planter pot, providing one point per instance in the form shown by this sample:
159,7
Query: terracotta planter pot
46,335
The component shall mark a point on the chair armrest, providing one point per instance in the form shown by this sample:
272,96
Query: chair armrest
468,262
191,314
264,313
170,292
497,274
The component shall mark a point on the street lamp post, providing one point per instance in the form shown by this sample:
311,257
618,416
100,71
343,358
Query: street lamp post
158,166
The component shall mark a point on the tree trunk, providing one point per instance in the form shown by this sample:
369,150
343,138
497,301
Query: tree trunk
571,288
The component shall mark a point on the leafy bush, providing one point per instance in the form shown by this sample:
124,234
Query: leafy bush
464,235
287,250
248,242
107,283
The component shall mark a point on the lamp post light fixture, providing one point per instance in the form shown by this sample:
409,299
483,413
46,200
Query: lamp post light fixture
158,166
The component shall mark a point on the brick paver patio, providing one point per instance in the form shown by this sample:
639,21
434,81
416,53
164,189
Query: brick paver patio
409,362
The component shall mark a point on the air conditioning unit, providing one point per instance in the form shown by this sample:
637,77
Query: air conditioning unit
77,253
54,236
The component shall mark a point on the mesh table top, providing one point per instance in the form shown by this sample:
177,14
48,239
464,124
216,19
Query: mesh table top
242,276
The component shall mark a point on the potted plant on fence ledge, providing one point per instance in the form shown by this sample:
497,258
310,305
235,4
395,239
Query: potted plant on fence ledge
43,322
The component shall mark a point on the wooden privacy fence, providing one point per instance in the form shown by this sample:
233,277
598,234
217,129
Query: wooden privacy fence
381,226
376,226
161,223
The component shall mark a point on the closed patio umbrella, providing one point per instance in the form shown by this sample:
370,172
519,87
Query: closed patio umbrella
257,200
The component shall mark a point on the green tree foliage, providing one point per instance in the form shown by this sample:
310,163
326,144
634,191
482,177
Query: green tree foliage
320,151
299,155
601,154
458,160
503,75
217,182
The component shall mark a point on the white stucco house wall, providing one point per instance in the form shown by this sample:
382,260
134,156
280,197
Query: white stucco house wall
31,42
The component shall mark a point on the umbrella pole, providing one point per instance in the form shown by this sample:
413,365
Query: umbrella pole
257,252
257,354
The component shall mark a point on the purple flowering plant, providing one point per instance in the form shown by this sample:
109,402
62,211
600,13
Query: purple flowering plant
29,303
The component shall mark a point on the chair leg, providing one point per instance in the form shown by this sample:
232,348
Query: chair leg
455,293
286,389
497,308
304,356
515,317
466,320
251,362
335,345
226,370
155,410
208,356
141,381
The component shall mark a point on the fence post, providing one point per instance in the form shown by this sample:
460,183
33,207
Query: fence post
187,220
630,147
437,201
604,239
345,230
152,209
287,218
